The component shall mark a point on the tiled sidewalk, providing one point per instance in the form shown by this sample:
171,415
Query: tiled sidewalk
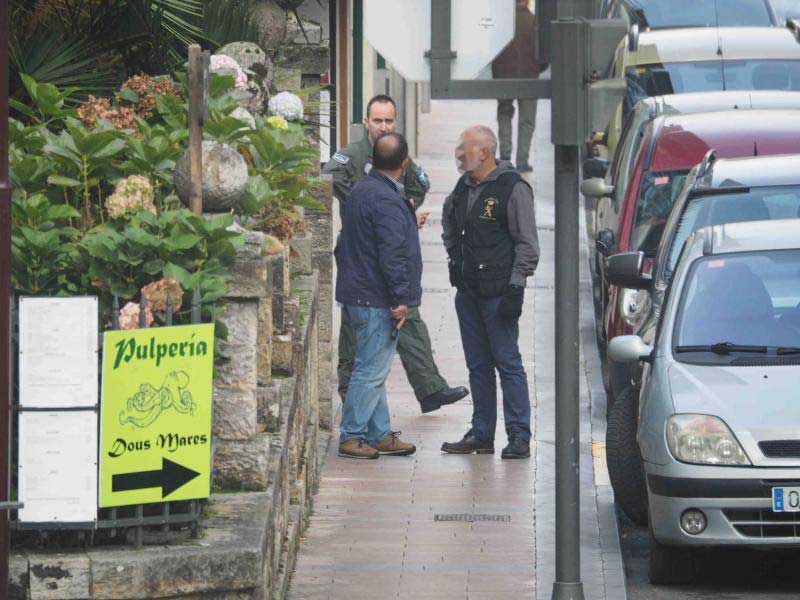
390,528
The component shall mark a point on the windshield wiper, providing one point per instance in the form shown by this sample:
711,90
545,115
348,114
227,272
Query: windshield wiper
722,348
783,351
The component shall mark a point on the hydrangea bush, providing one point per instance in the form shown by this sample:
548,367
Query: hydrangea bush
286,105
131,195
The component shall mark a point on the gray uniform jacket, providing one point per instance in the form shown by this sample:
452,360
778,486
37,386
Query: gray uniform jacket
353,162
521,224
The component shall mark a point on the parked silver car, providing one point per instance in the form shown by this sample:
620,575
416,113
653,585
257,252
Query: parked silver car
719,425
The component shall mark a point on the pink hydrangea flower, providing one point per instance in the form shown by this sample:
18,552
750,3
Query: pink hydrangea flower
158,291
220,62
129,316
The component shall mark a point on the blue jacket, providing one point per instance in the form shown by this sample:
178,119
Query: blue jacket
378,255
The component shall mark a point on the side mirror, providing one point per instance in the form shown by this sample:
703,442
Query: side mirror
604,241
596,188
595,167
627,270
629,348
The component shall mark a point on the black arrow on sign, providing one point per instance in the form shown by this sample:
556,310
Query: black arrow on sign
169,478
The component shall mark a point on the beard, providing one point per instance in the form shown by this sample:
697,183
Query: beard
467,166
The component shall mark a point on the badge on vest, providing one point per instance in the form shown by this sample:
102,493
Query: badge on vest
367,167
489,206
422,178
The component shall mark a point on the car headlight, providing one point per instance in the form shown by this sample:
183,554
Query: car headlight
703,440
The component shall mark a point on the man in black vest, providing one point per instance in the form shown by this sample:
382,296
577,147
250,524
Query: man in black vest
490,234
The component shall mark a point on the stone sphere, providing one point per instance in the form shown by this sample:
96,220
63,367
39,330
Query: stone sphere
273,24
246,54
244,115
224,177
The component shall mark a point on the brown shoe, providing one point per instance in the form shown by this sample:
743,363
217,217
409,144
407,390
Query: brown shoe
394,446
357,448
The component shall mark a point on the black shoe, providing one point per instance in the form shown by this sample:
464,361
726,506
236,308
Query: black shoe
526,168
469,444
443,397
516,449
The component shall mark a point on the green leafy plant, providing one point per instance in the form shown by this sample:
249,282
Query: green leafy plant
154,155
85,158
43,247
121,259
48,101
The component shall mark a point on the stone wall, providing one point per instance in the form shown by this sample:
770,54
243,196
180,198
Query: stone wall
271,398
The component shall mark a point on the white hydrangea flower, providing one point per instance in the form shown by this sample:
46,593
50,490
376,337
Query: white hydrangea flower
221,63
286,105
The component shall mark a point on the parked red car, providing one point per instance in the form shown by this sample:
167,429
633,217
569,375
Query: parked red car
671,146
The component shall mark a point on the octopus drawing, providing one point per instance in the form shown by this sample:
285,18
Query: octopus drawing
145,406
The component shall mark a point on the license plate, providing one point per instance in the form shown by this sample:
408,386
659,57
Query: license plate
786,499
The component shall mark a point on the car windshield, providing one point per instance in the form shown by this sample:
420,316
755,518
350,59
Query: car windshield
756,204
656,198
691,13
749,299
785,9
715,75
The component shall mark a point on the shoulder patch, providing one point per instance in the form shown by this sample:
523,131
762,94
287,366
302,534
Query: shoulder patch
341,158
423,179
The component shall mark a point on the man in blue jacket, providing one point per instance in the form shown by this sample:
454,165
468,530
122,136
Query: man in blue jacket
379,279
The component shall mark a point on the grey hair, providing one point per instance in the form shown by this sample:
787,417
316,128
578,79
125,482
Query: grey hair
487,137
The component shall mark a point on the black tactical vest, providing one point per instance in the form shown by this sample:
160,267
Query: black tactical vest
487,248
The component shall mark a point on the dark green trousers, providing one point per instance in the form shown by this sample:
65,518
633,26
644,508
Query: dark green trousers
414,348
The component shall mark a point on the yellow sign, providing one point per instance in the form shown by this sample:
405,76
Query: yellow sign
155,414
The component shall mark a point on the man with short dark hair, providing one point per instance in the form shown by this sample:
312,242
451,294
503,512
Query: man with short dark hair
379,280
348,166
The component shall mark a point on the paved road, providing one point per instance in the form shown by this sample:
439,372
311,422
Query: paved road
724,575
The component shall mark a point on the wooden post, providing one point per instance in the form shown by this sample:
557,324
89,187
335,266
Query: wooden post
195,129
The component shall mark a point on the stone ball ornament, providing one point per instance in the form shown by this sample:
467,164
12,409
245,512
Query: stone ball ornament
224,177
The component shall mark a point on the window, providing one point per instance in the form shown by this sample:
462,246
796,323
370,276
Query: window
657,195
659,14
757,204
749,299
785,9
714,75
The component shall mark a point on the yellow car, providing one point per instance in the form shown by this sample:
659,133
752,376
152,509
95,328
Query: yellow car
703,59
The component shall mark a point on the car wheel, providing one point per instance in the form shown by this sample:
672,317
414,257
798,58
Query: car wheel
625,468
670,565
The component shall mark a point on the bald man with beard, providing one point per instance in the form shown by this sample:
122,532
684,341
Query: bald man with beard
491,240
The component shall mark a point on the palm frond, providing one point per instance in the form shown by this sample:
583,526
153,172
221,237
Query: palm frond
226,21
47,58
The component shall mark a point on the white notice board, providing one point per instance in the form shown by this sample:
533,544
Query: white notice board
58,345
58,466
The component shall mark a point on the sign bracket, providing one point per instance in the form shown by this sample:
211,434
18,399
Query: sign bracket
441,55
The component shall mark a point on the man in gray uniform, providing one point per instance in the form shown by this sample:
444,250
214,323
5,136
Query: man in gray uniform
348,166
491,240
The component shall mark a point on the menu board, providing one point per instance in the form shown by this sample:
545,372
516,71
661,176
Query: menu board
58,346
58,466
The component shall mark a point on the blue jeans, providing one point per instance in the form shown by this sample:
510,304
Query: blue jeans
366,413
491,342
